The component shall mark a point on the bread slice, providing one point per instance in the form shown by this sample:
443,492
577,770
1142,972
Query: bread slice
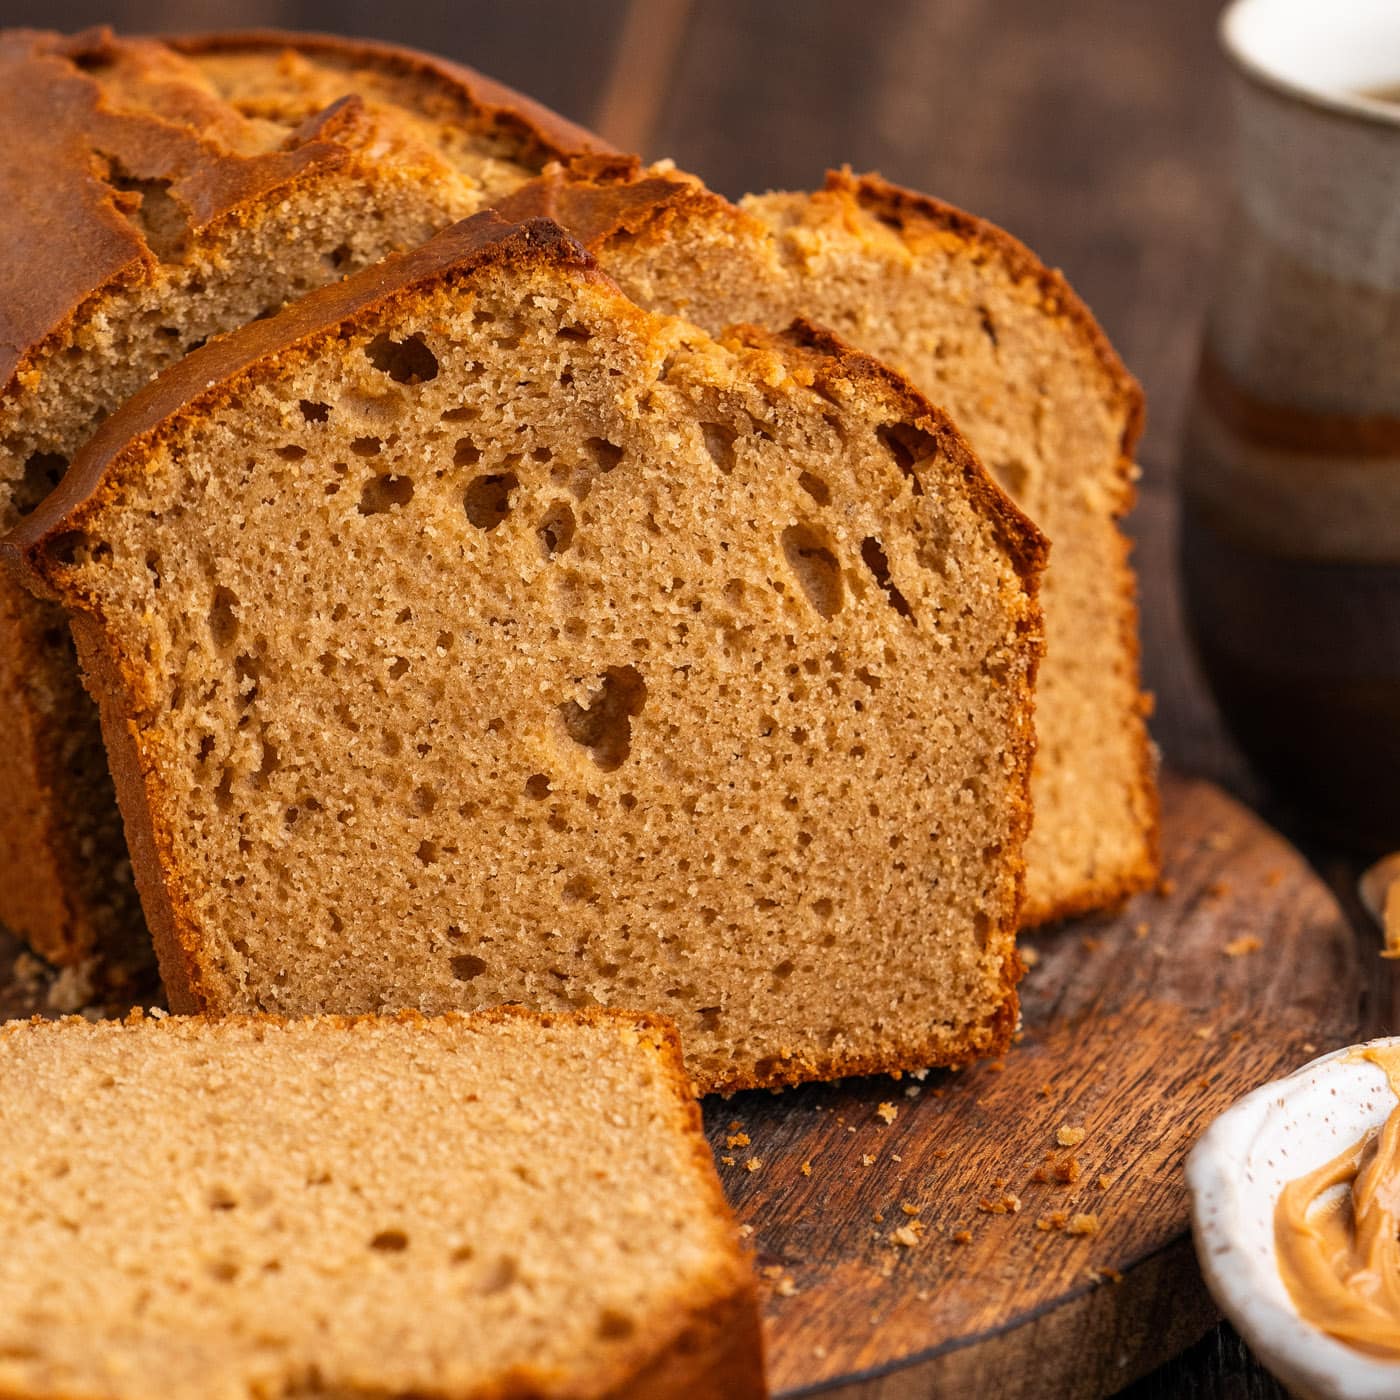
505,1204
468,635
151,199
1002,343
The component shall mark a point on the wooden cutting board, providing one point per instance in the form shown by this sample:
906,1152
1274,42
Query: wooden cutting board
935,1254
1138,1029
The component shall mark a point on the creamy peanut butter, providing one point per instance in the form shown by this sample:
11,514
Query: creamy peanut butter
1337,1235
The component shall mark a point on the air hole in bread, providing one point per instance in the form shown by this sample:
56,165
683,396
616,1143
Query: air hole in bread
814,566
390,1242
815,487
606,454
907,445
466,453
366,446
398,669
874,558
223,1270
464,414
314,412
466,967
556,529
150,208
604,725
537,786
989,326
614,1326
223,618
719,443
407,361
423,800
1013,476
384,493
575,333
578,889
78,547
500,1276
42,472
487,499
291,452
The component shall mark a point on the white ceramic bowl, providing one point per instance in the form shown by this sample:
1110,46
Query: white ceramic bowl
1236,1174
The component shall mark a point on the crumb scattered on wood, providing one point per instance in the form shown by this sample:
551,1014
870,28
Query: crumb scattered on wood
1105,1182
867,1160
912,1091
1008,1203
727,1160
1103,1274
1068,1136
1030,957
753,1164
1243,946
908,1235
963,1237
806,1168
1083,1224
887,1112
910,1209
737,1140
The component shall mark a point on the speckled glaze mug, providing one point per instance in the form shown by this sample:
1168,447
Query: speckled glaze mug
1290,541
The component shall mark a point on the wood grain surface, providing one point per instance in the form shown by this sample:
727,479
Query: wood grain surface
1096,130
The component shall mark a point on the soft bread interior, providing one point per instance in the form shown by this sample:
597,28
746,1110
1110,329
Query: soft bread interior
517,645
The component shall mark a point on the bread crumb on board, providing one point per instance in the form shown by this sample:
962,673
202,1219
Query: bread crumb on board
806,1168
887,1112
1243,946
1068,1136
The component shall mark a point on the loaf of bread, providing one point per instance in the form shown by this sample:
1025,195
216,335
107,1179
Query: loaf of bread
466,634
992,336
151,198
462,1207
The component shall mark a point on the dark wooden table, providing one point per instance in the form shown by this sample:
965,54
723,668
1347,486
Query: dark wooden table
1093,129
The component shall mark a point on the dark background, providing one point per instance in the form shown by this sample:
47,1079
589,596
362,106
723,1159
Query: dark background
1095,130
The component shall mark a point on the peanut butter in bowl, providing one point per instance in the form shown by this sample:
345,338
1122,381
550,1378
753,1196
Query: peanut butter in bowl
1337,1234
1295,1194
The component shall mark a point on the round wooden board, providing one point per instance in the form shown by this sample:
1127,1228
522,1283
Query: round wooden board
1138,1029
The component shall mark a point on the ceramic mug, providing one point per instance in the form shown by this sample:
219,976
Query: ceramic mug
1290,544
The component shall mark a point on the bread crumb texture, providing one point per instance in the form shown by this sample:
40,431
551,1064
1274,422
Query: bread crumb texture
454,1206
509,644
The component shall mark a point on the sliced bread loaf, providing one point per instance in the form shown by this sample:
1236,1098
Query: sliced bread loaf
460,1207
152,198
466,634
990,334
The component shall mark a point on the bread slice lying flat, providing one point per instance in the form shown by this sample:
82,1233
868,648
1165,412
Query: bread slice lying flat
1002,343
468,635
505,1204
153,198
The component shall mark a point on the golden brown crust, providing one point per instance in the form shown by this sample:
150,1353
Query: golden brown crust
536,133
76,236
